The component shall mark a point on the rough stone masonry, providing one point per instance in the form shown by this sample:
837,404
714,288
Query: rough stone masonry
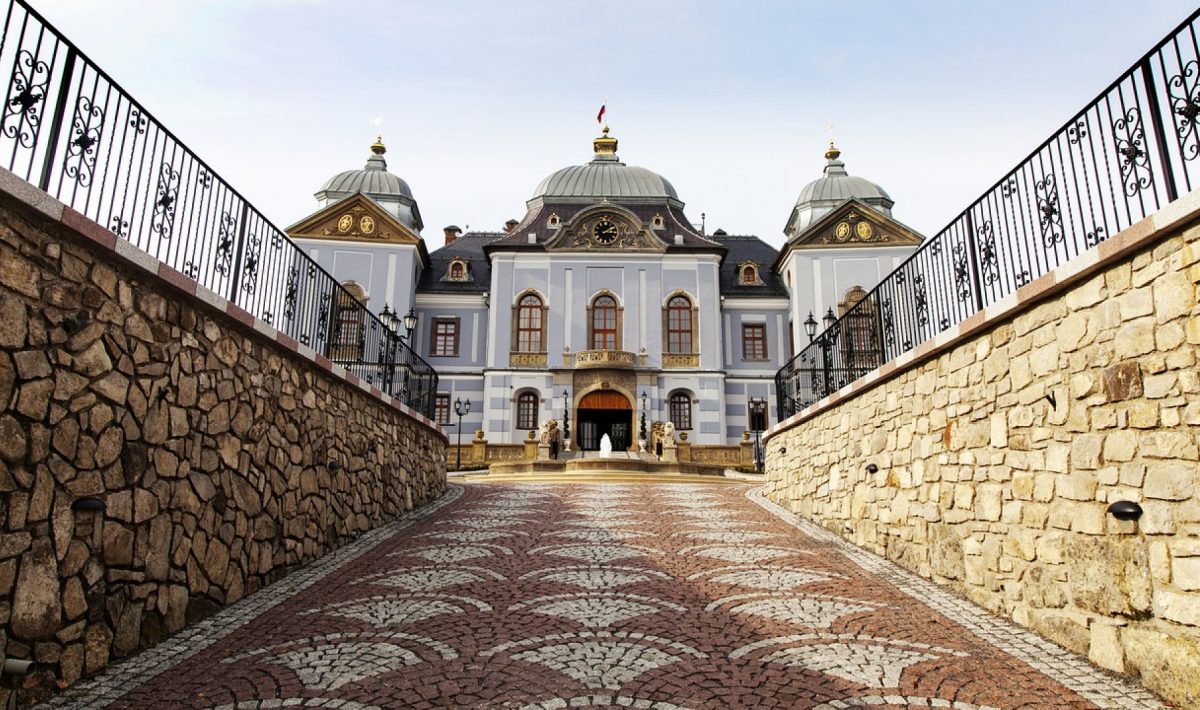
998,456
222,459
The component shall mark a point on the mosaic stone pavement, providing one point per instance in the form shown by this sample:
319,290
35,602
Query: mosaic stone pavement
645,596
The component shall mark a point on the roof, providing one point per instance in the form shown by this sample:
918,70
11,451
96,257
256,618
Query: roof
743,248
468,247
373,179
605,178
834,187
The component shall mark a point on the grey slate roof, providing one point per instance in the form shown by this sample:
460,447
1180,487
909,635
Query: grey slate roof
605,178
469,247
372,179
743,248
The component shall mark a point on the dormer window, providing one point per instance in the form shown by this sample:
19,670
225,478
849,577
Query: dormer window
748,274
553,221
457,270
657,222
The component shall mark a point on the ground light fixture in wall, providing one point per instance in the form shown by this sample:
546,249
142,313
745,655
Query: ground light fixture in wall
88,503
1125,510
872,468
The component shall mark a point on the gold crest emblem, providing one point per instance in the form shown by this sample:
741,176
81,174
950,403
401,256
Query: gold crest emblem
345,223
366,225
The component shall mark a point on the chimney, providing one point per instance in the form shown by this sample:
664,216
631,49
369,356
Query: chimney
508,226
451,233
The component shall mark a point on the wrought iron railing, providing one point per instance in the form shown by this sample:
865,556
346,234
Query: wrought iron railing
1124,156
68,128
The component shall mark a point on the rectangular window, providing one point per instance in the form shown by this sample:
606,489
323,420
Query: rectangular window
527,411
754,341
445,337
681,411
441,409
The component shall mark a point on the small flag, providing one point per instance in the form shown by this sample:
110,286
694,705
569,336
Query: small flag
600,116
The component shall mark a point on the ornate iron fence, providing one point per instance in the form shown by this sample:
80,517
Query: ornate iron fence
1124,156
68,128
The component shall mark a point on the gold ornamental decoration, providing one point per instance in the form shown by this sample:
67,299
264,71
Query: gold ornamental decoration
345,223
366,225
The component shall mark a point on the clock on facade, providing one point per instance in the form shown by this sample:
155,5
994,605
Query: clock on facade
605,232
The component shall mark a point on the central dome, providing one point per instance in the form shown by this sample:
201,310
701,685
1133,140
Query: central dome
604,177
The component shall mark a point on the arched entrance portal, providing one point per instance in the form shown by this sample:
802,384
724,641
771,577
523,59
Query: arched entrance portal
604,412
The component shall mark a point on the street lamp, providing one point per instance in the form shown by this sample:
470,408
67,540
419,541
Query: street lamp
810,326
642,430
388,317
460,408
566,421
829,319
758,412
410,323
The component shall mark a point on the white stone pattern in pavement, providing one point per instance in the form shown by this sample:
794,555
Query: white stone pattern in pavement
1068,668
121,677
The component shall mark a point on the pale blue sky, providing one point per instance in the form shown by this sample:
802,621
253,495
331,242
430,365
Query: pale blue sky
727,100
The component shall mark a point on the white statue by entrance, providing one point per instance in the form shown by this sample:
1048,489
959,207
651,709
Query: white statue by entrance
605,446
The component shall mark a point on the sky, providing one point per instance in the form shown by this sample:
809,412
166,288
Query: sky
479,101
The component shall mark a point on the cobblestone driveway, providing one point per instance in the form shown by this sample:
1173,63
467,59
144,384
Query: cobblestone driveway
645,596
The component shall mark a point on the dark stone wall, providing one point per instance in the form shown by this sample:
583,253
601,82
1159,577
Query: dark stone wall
223,459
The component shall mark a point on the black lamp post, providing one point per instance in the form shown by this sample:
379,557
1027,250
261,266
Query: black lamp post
642,430
810,326
827,338
460,408
391,325
758,411
566,421
410,323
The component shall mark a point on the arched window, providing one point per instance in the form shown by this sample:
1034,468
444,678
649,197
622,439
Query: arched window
348,311
458,271
681,410
530,325
604,323
527,410
679,326
749,275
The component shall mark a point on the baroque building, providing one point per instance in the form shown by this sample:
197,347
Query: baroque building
604,302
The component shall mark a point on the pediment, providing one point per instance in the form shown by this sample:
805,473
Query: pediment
589,231
856,224
356,218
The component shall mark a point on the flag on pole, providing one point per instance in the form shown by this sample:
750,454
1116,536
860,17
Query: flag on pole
600,116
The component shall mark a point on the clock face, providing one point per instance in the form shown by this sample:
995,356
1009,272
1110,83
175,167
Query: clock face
605,232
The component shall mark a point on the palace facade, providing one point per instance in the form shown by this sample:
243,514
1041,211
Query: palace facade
604,302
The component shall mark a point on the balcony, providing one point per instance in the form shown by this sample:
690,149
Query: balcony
536,360
620,359
680,361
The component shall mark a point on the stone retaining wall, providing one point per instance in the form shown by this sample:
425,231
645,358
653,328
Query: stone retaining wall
1000,446
224,455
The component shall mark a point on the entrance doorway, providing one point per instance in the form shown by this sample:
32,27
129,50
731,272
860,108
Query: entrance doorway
605,412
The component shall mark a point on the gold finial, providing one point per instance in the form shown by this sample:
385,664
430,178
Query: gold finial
605,144
832,153
377,147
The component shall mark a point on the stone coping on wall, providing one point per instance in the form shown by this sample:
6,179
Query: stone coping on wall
143,263
1138,236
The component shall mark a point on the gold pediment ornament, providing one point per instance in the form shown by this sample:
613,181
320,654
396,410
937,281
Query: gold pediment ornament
606,231
356,218
855,225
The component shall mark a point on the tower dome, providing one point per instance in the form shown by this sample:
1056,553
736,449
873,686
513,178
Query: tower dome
373,180
822,195
605,176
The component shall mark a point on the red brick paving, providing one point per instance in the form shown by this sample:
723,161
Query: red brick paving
645,595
